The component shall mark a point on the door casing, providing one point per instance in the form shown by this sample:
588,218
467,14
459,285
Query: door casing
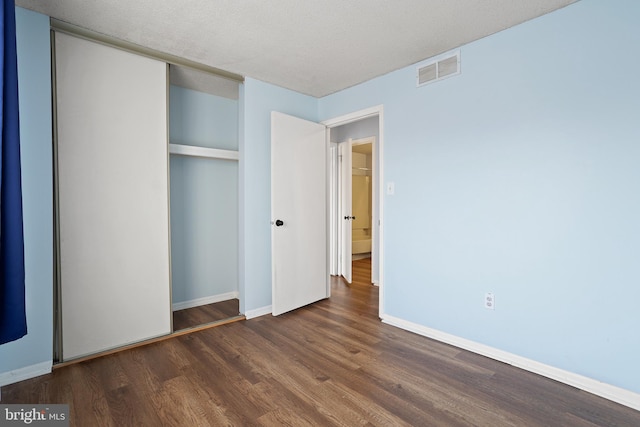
355,116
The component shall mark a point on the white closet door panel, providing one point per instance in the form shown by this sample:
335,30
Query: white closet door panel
113,196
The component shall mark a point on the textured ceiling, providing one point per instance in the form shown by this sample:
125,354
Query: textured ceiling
315,47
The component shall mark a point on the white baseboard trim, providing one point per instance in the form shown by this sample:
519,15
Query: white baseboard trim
203,301
25,373
608,391
251,314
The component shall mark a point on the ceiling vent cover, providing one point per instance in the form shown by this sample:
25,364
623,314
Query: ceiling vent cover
440,68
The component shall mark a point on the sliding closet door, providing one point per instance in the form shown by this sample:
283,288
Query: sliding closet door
112,196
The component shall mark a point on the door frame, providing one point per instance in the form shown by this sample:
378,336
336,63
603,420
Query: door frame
355,116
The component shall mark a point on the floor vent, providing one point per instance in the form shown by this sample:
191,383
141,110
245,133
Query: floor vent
440,68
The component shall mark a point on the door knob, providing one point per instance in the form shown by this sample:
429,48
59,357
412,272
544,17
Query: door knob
279,223
349,217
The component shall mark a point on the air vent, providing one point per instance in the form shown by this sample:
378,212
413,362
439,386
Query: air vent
427,74
439,68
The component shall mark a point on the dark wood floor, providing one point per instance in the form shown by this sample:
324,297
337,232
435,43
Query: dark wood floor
203,314
332,363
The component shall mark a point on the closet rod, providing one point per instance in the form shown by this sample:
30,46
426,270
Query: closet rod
65,27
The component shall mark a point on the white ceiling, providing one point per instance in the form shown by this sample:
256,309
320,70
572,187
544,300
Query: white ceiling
315,47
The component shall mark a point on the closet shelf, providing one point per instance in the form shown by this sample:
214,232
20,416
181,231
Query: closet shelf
210,153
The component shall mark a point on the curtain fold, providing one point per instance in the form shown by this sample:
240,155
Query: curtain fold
13,321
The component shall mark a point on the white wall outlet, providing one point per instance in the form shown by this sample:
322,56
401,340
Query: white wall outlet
489,301
391,188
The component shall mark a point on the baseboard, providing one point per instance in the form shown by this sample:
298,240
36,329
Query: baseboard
203,301
610,392
251,314
25,373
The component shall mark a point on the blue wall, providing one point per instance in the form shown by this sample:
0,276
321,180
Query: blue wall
204,197
521,177
356,130
204,227
258,100
34,75
202,119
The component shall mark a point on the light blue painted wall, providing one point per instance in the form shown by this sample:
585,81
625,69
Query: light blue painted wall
521,177
259,99
204,227
356,130
34,75
202,119
204,197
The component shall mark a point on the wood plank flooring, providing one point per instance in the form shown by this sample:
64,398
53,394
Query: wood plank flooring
203,314
332,363
361,271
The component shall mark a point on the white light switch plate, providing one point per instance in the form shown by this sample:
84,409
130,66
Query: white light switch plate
391,188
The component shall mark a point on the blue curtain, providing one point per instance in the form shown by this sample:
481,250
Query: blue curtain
13,319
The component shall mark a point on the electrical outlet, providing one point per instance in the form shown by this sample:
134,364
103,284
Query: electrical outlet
489,301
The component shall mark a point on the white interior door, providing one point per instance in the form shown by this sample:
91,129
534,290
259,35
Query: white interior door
346,217
299,253
112,194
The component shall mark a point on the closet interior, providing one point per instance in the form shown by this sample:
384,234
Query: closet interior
203,136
